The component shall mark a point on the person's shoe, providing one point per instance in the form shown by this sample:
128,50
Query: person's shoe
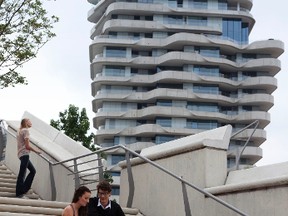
23,196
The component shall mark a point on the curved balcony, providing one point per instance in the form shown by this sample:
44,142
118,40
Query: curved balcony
150,113
129,8
177,58
267,83
266,101
274,47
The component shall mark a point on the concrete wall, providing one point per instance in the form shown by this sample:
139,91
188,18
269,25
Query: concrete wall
201,160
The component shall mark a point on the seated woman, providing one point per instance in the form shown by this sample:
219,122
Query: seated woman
78,207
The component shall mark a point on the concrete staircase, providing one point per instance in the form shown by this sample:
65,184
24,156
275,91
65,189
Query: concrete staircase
8,184
34,206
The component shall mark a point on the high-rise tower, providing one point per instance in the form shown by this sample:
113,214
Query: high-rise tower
164,69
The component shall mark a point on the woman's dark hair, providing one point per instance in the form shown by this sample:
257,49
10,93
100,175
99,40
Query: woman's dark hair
77,194
105,186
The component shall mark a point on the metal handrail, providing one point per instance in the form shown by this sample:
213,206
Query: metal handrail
183,182
3,140
238,156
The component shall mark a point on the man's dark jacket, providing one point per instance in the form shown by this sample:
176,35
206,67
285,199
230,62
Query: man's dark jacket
94,210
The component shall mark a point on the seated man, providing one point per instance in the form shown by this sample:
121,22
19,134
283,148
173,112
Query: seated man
102,205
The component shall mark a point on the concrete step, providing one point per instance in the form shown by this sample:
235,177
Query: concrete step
8,189
34,206
6,171
7,184
20,214
18,206
2,166
8,176
8,180
131,212
12,195
7,194
30,210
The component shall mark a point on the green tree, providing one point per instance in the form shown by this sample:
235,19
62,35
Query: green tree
24,28
75,124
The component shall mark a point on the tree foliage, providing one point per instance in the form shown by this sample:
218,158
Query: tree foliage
24,28
75,124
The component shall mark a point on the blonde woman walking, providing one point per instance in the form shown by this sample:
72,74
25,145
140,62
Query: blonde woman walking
23,143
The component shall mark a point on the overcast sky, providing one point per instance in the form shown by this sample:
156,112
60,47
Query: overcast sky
60,75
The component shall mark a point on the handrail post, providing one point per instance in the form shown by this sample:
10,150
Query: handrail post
76,175
130,180
3,140
52,182
185,199
238,156
101,172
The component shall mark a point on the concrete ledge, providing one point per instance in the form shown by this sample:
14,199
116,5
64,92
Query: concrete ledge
257,173
217,138
264,183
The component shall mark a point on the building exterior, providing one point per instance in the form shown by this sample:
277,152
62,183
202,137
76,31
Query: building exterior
165,69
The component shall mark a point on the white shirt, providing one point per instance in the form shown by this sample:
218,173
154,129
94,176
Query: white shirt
108,206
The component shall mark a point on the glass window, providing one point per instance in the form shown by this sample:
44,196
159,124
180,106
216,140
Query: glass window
206,70
172,3
222,5
205,107
116,140
236,30
130,140
200,4
205,89
163,138
208,51
170,86
249,56
115,190
116,52
164,122
197,21
174,19
164,103
113,34
201,124
247,108
117,158
114,173
114,70
245,33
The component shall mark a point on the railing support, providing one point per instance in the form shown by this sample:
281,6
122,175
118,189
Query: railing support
52,182
76,174
185,199
238,155
3,140
101,172
130,180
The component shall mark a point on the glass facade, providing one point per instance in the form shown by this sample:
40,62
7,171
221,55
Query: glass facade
235,29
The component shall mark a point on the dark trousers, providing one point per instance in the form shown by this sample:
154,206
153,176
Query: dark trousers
23,185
